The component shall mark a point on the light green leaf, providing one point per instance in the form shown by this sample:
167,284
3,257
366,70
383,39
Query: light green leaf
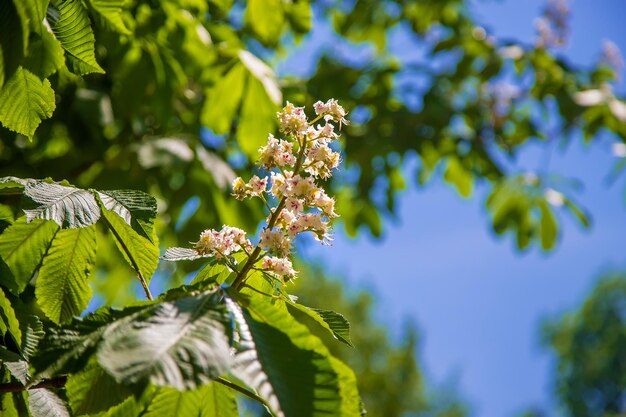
110,11
215,272
22,246
549,227
44,403
266,18
258,115
93,390
211,400
264,74
45,55
457,175
8,320
181,344
73,29
220,107
62,287
335,323
288,366
25,101
67,206
139,252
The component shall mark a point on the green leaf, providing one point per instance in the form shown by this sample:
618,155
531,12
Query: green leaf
258,115
549,226
215,272
137,208
32,333
62,287
93,390
289,366
220,107
110,11
139,252
461,178
182,254
45,55
25,101
181,344
335,323
211,400
266,18
15,364
22,246
67,349
67,206
44,403
8,320
73,29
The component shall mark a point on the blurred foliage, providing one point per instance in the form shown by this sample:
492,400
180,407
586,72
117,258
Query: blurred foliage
590,348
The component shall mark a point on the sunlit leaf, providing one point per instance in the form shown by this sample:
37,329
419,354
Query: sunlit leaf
67,206
63,289
25,101
72,28
22,246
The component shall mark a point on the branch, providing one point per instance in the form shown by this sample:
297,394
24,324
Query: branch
56,382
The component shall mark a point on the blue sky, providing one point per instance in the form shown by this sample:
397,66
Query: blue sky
478,302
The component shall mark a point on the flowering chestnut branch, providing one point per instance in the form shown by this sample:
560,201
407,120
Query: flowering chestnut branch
290,191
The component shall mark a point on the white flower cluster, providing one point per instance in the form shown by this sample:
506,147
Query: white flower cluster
223,242
294,165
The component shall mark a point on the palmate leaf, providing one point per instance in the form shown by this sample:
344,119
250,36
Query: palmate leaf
44,403
67,206
22,246
181,344
139,252
62,288
137,208
288,366
32,333
25,101
220,107
72,28
266,18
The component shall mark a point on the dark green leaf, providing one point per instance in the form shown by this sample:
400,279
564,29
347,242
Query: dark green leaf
288,366
8,320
